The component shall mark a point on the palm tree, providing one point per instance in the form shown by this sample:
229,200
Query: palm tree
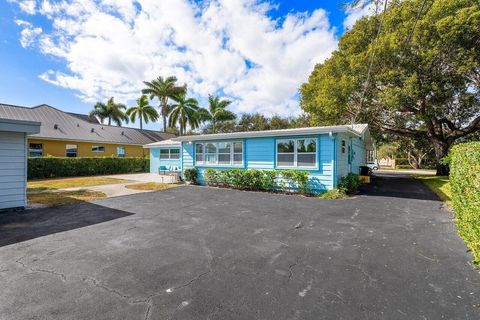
163,89
143,111
217,112
111,111
184,112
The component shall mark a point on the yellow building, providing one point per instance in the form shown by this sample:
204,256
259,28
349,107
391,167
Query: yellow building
64,134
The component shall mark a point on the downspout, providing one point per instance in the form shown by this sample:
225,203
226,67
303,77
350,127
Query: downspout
334,138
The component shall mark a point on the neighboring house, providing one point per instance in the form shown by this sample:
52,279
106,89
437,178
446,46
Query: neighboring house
327,153
13,161
64,134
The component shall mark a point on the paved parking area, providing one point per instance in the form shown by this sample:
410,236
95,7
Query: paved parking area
206,253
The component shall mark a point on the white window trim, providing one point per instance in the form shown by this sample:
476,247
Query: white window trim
169,154
203,162
121,155
295,154
76,150
30,150
98,151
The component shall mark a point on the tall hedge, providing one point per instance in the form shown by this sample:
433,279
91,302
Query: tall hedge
465,183
52,167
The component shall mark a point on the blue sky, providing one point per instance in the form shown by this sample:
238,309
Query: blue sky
70,54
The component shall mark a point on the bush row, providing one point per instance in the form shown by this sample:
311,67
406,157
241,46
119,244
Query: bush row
284,180
464,160
52,167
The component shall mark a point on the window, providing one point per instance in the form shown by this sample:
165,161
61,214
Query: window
71,150
98,149
297,153
169,154
35,150
121,152
225,153
199,153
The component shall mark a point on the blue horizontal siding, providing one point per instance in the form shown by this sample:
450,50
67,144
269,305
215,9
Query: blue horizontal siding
259,153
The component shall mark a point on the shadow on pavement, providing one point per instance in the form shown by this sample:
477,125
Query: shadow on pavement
30,224
398,186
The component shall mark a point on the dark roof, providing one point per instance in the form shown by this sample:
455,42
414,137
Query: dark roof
60,125
85,117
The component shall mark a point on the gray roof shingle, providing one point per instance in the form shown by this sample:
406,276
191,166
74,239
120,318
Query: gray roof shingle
60,125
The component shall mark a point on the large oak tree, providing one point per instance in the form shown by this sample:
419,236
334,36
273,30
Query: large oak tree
411,70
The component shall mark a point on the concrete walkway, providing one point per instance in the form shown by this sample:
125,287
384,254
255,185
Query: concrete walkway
119,189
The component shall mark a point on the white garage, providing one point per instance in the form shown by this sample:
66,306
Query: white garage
13,161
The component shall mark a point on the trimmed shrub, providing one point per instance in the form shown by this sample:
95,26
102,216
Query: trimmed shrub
191,175
464,160
297,180
285,180
349,183
52,167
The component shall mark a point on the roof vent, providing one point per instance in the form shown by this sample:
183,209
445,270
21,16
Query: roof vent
55,126
123,133
78,124
93,130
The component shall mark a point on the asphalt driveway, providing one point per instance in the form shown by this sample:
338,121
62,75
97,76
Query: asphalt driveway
206,253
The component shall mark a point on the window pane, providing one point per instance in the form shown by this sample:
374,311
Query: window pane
164,154
199,148
98,148
224,147
238,147
224,158
210,158
121,152
285,146
237,158
174,153
306,160
285,159
210,148
199,158
35,150
306,145
71,150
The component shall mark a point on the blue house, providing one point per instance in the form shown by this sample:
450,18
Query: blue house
327,153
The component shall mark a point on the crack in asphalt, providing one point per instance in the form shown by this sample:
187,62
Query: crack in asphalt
32,269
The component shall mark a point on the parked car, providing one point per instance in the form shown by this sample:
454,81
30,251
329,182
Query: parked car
373,165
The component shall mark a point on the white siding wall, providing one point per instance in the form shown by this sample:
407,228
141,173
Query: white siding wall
12,169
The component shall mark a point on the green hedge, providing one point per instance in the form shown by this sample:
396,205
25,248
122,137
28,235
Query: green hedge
464,162
285,180
52,167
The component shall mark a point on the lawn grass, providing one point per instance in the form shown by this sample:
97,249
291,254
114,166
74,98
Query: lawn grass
152,186
56,198
62,183
440,185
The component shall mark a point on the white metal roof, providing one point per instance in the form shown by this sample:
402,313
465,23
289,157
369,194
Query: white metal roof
357,129
163,143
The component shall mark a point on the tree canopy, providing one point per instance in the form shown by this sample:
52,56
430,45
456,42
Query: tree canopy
411,70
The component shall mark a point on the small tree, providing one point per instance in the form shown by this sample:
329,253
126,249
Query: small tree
216,113
143,111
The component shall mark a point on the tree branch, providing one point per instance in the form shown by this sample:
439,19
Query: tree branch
471,128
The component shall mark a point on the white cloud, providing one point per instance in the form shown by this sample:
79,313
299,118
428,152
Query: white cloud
29,34
111,46
364,8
